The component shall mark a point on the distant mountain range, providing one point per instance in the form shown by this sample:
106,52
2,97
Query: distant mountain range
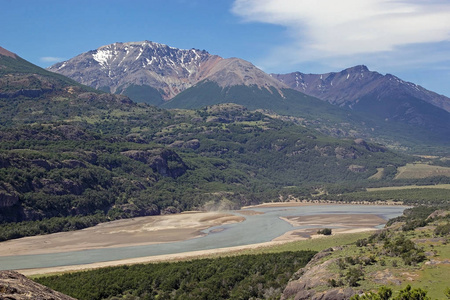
353,85
365,104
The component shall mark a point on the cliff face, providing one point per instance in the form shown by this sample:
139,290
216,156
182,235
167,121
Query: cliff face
306,283
163,161
14,285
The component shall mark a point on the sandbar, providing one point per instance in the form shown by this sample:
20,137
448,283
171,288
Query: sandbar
120,233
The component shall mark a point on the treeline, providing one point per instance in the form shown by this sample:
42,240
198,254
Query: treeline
413,196
237,277
10,231
408,293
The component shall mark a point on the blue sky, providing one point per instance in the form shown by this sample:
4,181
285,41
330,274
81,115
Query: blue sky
407,38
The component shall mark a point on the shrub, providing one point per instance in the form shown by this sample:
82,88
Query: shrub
442,230
325,231
353,276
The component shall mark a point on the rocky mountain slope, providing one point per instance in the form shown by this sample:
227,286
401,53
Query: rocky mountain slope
14,285
127,67
350,86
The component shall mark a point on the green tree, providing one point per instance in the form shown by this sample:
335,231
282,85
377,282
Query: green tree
409,293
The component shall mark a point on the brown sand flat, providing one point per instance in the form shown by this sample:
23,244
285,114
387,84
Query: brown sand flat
127,232
348,223
341,220
249,212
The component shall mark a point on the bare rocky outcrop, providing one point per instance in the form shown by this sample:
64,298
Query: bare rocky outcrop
163,161
306,283
8,196
437,214
191,144
357,169
14,285
8,199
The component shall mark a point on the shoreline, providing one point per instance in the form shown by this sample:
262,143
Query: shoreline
121,233
298,202
288,237
178,227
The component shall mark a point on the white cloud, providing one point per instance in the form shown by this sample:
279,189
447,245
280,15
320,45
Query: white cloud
51,59
331,30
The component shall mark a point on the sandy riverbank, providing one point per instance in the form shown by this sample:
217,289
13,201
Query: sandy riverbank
346,223
169,228
121,233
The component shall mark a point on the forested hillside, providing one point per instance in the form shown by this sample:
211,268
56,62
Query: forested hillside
241,277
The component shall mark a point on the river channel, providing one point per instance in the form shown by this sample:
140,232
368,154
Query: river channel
258,228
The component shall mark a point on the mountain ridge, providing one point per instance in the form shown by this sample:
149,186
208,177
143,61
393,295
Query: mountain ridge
5,52
116,67
346,87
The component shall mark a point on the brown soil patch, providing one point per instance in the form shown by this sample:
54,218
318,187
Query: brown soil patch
5,52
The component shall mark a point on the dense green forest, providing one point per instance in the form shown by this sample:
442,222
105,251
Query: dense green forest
236,277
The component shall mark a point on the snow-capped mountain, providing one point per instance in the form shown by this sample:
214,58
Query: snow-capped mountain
350,86
169,70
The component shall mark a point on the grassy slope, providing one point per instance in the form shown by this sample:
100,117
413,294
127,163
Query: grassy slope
142,94
10,65
420,170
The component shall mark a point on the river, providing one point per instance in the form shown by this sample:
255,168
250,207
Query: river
258,228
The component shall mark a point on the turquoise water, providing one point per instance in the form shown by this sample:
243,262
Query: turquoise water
255,229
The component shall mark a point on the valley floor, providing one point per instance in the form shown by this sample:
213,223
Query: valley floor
169,228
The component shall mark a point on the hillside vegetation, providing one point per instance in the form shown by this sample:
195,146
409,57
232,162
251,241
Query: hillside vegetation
237,277
409,252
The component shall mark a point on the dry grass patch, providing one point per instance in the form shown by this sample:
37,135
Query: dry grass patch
418,170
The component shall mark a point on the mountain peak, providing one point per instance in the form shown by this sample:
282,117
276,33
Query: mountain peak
119,66
358,68
235,71
146,65
5,52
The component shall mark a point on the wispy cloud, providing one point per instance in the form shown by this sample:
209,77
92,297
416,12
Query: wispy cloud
51,59
346,30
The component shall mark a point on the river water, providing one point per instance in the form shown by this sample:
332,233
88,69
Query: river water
255,229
